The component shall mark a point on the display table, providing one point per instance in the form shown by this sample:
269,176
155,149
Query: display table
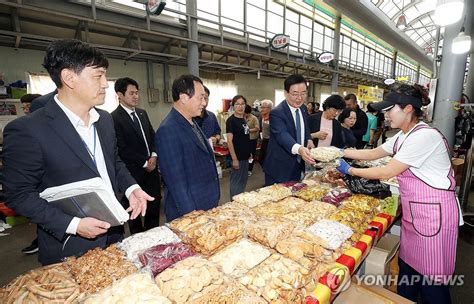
279,244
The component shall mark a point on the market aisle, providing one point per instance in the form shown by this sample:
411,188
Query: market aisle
13,262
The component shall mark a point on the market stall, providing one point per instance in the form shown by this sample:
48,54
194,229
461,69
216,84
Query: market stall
287,243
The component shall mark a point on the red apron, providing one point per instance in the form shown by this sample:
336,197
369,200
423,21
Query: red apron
430,222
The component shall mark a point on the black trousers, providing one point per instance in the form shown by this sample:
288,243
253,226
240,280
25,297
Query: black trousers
253,150
150,183
263,150
411,285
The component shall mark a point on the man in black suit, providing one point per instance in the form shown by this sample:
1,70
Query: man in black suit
136,148
362,122
67,141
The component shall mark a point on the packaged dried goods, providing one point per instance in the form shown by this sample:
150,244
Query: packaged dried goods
207,234
333,233
269,232
133,289
232,210
98,268
333,177
310,213
276,192
315,192
230,293
373,163
138,242
305,251
160,257
189,279
356,220
295,186
252,199
361,202
336,196
280,208
326,154
47,284
277,280
238,258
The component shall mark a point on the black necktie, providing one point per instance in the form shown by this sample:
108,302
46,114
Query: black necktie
136,123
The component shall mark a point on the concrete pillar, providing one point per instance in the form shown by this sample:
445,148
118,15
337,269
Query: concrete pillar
335,48
193,50
394,64
451,78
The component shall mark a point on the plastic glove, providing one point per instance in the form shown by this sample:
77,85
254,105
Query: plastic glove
343,167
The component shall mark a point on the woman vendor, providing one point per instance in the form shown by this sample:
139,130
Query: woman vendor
430,211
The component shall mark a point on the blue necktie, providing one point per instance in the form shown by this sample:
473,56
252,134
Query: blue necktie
298,126
298,131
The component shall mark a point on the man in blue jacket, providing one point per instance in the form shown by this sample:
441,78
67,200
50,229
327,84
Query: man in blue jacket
185,157
289,135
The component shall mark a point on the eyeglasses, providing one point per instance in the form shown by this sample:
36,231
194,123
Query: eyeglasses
296,94
336,111
239,104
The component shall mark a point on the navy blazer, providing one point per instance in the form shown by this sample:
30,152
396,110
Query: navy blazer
187,167
43,150
280,164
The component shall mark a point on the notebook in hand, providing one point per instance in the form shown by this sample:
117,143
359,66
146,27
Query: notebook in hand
87,205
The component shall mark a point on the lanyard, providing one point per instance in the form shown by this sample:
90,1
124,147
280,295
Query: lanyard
87,147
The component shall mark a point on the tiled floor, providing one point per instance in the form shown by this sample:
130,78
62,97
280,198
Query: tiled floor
13,262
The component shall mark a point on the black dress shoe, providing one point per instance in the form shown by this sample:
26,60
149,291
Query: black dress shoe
33,248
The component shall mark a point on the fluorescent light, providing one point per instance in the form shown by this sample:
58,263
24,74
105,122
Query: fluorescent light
461,44
448,11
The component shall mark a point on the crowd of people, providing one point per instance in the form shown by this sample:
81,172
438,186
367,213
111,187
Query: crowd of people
125,152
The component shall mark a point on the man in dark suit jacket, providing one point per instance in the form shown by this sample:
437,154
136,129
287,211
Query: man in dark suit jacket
289,135
360,127
136,148
185,157
67,141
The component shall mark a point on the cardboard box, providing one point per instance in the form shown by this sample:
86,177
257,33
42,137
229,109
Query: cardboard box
378,260
458,166
369,294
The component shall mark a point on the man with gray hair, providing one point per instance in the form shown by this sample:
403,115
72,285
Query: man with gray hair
266,106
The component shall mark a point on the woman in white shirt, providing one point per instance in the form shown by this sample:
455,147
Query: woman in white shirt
430,211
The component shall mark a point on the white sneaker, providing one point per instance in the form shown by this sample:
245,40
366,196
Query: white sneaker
250,173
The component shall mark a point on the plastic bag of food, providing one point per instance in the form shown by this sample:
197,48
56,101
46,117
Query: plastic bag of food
238,258
295,186
269,231
160,257
326,154
367,186
135,288
190,279
336,196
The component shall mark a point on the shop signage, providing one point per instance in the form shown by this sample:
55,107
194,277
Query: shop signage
326,57
280,41
369,94
389,81
402,78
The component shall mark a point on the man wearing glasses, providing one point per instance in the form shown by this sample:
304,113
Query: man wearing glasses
290,141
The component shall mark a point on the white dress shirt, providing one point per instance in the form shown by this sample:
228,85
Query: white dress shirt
88,133
297,146
129,112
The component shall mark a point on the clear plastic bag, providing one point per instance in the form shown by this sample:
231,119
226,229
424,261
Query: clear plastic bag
160,257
